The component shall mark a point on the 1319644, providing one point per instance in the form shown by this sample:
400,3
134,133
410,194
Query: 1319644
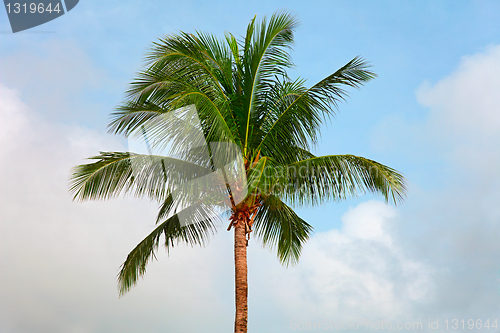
32,8
456,324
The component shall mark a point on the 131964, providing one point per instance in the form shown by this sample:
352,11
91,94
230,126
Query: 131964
32,8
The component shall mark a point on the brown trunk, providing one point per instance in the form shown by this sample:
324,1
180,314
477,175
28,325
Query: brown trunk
241,284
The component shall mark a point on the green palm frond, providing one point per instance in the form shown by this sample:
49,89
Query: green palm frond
265,55
216,122
268,174
278,226
183,70
165,208
335,177
197,229
330,91
130,116
219,57
286,122
296,113
256,177
116,173
182,56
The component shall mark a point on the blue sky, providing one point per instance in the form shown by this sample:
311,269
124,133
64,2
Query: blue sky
433,113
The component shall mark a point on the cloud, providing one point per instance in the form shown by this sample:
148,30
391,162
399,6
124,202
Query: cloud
360,271
59,258
452,216
467,101
464,117
464,123
451,219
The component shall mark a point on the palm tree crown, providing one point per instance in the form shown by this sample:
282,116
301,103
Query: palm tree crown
242,96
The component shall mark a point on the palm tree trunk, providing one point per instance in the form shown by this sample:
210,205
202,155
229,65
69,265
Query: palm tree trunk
241,284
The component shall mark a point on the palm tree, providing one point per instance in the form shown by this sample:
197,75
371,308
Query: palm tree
242,96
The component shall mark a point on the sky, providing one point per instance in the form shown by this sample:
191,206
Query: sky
432,113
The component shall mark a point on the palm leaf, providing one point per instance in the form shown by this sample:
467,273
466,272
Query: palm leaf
116,173
278,226
195,231
183,70
265,55
319,179
299,112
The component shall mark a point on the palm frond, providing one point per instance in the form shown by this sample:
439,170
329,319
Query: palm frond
335,177
183,56
165,208
330,91
183,70
265,56
278,226
116,173
270,171
300,111
196,230
130,116
285,122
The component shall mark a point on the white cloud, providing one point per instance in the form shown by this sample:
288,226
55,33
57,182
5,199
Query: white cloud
360,271
59,258
367,222
452,216
451,219
467,103
464,123
464,113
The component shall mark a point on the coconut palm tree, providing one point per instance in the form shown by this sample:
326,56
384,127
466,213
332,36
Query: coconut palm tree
243,97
